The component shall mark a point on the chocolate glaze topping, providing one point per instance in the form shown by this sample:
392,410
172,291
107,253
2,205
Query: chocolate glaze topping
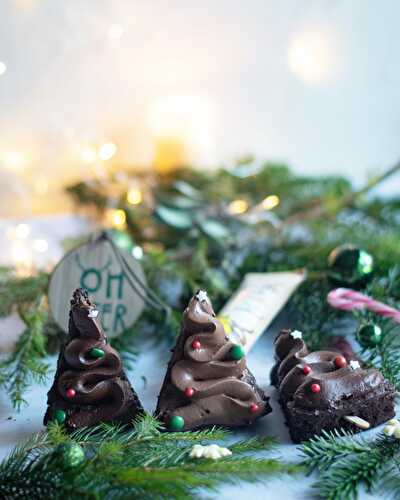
222,389
335,383
101,389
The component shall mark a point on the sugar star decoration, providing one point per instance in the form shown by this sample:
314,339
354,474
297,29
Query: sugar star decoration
354,364
392,428
296,334
202,296
93,313
212,451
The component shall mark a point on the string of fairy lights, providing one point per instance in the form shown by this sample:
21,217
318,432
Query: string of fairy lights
182,133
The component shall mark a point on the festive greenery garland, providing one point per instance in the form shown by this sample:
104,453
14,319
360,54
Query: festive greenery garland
206,230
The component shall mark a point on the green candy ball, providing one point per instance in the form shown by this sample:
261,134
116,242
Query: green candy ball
369,335
349,265
71,454
60,416
176,423
96,352
237,352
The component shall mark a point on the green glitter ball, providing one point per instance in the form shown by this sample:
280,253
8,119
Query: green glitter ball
350,266
71,454
237,352
60,416
369,335
96,352
176,423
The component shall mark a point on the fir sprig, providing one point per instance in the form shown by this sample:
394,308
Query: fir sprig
346,463
141,463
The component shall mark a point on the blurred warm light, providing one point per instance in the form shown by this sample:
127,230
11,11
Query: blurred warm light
312,56
137,252
40,186
3,68
270,202
115,31
134,196
20,253
14,160
116,218
182,129
238,207
21,231
40,246
88,154
107,151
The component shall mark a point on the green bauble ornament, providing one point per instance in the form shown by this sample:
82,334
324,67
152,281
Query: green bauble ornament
369,335
350,266
71,454
176,423
237,352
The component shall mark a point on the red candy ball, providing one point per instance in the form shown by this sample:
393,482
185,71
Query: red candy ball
254,408
196,344
306,370
340,361
315,388
189,391
70,393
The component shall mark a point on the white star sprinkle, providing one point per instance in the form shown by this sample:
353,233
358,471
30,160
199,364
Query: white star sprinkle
296,334
212,451
392,428
354,364
202,296
93,313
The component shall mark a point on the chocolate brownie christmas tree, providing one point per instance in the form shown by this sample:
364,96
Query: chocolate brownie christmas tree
207,381
322,390
90,385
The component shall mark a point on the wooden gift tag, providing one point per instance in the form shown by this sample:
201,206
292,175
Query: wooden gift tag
99,267
255,304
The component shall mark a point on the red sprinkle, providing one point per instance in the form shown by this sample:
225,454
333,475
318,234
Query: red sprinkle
315,388
196,344
306,370
70,393
254,408
340,361
189,391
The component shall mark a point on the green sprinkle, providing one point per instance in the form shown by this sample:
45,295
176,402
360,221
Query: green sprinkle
237,352
60,416
176,423
96,352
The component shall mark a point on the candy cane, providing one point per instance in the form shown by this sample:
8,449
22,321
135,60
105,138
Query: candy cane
348,300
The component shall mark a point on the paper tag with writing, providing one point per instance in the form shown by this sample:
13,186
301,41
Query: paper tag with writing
260,297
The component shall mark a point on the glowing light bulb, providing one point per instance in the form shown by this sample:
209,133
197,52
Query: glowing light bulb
134,196
238,207
115,31
312,56
107,151
270,202
88,154
3,68
116,217
40,246
14,160
22,231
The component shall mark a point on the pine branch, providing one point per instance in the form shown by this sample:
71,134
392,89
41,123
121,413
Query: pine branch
346,462
140,463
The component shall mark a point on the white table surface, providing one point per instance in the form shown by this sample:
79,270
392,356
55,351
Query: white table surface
151,364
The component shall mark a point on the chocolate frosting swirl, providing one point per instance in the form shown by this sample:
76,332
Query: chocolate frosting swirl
100,389
222,390
336,383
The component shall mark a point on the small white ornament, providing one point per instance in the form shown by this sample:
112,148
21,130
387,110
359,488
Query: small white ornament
358,422
202,296
212,451
93,313
392,428
296,334
354,364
